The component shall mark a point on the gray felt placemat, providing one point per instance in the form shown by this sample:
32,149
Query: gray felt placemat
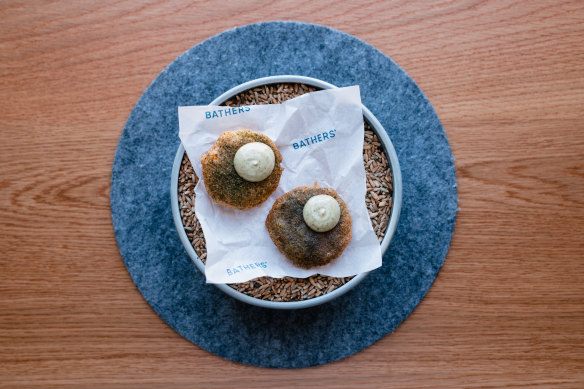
158,263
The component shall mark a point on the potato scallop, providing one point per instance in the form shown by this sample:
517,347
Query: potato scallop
302,245
224,185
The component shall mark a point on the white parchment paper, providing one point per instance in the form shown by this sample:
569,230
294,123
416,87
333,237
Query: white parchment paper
320,136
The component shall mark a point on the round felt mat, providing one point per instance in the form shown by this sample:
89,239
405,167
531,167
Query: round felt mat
171,283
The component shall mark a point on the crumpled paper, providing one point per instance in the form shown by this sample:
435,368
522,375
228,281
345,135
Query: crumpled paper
320,137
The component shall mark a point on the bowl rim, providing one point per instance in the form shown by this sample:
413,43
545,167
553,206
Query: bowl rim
393,218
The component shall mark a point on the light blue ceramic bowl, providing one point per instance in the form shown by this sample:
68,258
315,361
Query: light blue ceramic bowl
391,227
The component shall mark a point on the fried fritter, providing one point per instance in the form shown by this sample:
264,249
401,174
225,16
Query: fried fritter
298,242
223,183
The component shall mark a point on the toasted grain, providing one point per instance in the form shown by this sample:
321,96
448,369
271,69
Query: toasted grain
378,200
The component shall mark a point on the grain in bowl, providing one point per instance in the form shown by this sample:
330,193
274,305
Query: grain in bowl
378,199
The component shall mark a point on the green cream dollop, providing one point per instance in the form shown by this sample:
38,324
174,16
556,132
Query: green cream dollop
321,213
254,161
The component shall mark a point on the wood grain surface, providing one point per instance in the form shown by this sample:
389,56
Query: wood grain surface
507,81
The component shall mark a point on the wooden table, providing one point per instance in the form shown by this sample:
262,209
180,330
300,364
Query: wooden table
507,81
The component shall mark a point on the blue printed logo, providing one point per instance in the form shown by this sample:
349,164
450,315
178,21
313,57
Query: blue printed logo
250,266
320,137
224,112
